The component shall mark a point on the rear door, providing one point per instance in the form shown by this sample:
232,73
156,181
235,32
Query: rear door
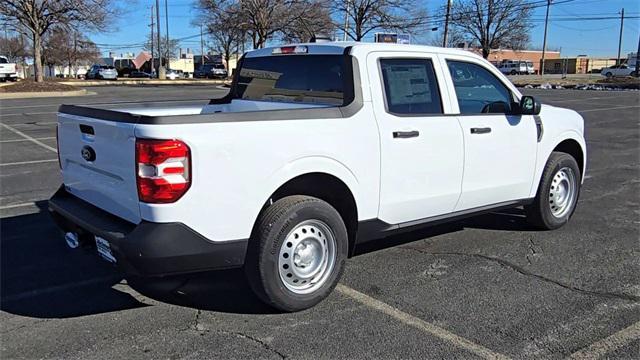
98,163
421,147
499,148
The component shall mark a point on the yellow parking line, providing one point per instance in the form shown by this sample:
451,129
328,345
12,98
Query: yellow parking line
610,343
419,324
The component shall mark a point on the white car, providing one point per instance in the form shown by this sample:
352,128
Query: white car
618,70
173,74
316,149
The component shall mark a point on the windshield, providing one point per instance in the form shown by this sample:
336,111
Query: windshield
105,67
313,79
218,66
3,60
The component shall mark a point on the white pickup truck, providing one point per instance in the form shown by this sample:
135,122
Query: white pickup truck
316,148
8,70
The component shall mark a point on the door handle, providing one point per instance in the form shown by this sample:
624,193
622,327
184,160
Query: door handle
483,130
405,134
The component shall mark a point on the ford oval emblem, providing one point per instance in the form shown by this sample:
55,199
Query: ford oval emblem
88,154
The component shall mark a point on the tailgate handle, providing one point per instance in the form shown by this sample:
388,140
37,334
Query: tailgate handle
86,129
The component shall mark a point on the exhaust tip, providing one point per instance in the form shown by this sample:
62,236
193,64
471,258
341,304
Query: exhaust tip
72,240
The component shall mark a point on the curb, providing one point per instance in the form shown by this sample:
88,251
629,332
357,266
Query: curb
584,86
26,95
143,82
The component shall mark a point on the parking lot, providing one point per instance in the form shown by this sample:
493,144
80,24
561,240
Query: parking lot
485,287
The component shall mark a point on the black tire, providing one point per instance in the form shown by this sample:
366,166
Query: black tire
539,213
513,72
273,226
608,75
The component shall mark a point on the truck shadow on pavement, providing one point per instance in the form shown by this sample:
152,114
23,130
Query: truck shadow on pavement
41,277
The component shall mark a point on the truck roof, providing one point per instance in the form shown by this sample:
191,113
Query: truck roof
338,47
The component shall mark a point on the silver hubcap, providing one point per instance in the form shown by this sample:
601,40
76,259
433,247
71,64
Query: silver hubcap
307,257
563,191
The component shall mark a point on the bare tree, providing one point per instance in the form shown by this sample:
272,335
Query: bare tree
39,16
493,23
455,38
365,16
308,19
222,22
13,48
170,47
262,20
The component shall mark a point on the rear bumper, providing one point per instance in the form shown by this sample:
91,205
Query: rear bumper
146,249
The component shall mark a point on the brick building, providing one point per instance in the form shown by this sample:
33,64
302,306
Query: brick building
497,55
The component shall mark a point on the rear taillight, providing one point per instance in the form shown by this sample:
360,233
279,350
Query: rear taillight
58,147
162,170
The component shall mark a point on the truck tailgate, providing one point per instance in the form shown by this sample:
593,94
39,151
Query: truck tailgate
98,163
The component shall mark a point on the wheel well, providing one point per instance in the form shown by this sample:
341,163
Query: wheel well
328,188
572,148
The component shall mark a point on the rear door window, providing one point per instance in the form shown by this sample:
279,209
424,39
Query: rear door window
410,86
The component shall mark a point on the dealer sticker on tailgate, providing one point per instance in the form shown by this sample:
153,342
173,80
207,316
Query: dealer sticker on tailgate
104,249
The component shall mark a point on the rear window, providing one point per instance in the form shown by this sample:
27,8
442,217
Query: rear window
218,66
107,67
313,79
3,61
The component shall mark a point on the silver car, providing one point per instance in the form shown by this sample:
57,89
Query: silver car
105,72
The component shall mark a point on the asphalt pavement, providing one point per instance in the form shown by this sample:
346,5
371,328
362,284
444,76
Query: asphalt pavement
485,287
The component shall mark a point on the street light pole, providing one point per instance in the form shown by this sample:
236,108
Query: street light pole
201,47
446,24
544,41
620,39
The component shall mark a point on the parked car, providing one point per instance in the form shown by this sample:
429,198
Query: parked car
516,67
173,74
218,72
364,141
102,72
211,71
618,70
8,70
140,75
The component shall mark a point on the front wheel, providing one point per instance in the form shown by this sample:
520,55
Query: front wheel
297,254
558,193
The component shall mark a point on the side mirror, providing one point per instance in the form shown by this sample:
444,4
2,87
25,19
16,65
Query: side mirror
529,106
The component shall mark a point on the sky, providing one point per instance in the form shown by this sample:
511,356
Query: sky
596,38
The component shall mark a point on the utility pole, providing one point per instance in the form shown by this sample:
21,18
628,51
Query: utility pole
620,40
152,68
446,24
638,59
544,41
201,47
161,73
166,26
346,21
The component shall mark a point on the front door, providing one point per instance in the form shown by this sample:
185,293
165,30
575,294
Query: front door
421,147
499,148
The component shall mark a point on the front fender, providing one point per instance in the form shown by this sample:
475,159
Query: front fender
546,148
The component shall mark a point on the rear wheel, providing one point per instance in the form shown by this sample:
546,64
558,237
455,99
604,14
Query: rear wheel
608,75
297,253
558,193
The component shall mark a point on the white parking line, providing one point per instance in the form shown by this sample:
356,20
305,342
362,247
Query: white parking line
611,108
27,114
600,348
4,207
22,140
419,324
29,162
33,140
